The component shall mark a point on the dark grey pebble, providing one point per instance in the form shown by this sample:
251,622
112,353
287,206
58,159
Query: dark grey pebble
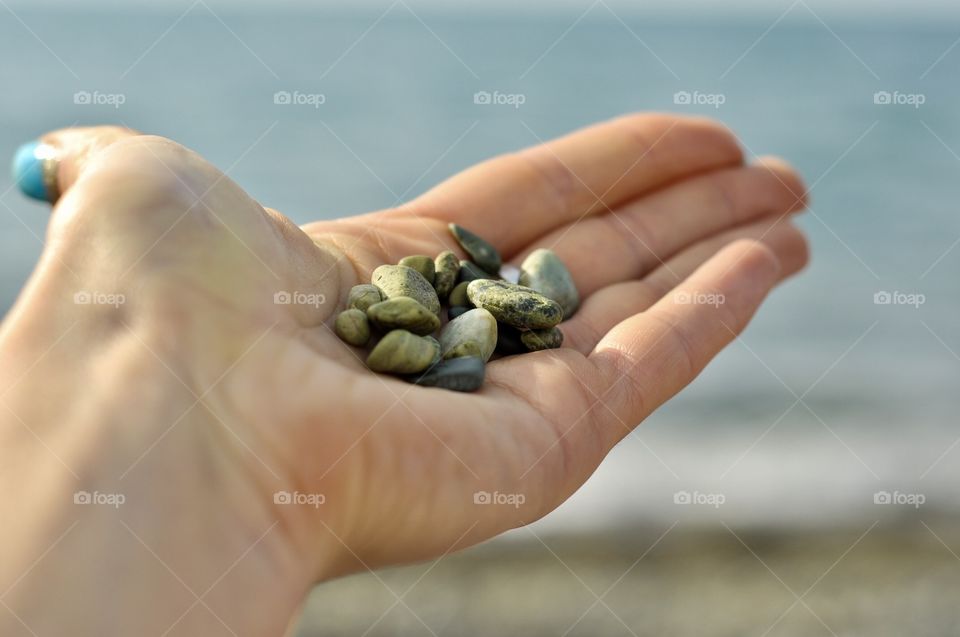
459,374
480,251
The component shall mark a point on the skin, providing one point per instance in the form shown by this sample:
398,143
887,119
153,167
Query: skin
198,398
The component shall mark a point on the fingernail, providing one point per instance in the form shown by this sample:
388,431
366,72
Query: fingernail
35,170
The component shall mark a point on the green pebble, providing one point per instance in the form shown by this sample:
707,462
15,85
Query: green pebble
459,374
422,264
352,327
403,312
363,296
514,304
536,340
471,272
480,251
437,358
544,272
458,296
402,352
399,280
476,327
446,268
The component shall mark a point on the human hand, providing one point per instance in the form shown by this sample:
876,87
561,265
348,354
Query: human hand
199,398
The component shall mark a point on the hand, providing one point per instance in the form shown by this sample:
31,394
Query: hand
183,386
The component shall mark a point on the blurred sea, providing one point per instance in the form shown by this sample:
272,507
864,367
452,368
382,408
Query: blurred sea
828,399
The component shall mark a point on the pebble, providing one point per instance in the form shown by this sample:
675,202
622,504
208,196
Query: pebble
544,272
403,312
509,342
363,296
514,304
422,264
458,374
446,268
352,327
480,251
536,340
402,352
457,310
471,272
478,327
399,280
458,296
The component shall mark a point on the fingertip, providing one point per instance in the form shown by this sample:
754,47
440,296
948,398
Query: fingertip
788,176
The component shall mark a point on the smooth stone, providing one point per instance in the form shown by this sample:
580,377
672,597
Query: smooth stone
399,280
457,310
469,348
402,352
403,312
509,342
437,358
352,327
458,374
458,296
544,272
363,296
476,326
536,340
480,251
514,304
421,263
471,272
446,267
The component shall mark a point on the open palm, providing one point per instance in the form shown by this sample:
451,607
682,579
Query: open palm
672,240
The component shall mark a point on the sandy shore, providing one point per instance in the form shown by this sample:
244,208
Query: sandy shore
895,579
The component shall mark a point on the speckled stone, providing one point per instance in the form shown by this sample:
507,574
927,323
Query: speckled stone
363,296
459,374
446,268
480,251
422,264
458,296
536,340
471,272
544,272
403,312
402,352
477,327
352,327
399,280
514,304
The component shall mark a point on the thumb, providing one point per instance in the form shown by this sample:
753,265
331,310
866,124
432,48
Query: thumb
45,168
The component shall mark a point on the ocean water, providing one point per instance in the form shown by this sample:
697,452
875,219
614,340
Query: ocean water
829,398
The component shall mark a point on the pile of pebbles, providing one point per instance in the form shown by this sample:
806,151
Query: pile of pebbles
400,310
